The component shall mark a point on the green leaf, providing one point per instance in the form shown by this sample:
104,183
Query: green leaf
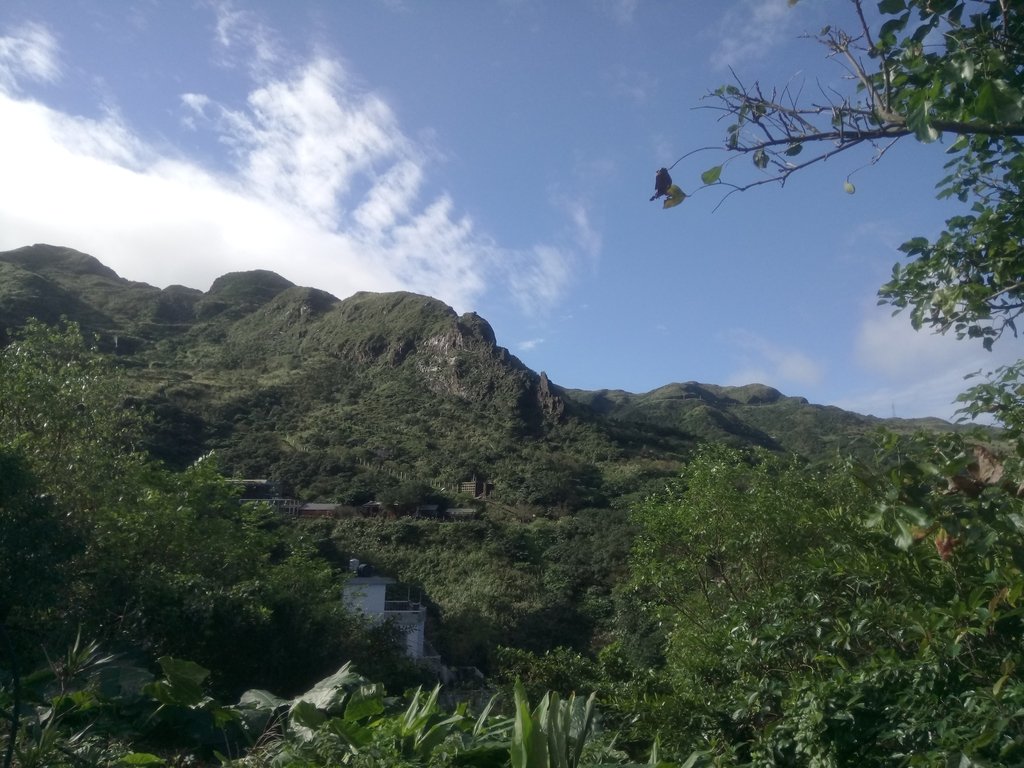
140,758
848,187
365,701
307,715
967,69
529,745
761,158
182,683
888,31
794,149
997,102
711,175
330,693
892,6
260,699
183,671
674,197
919,121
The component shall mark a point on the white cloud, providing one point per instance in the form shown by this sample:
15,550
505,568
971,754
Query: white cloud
307,139
765,362
538,277
326,190
909,399
586,238
622,11
392,197
529,344
241,37
888,345
921,373
749,31
86,184
634,85
29,53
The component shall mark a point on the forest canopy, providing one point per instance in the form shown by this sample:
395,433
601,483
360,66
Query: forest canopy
771,609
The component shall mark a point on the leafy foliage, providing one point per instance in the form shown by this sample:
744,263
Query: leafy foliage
97,710
816,620
779,612
532,586
869,617
37,542
62,408
924,70
93,536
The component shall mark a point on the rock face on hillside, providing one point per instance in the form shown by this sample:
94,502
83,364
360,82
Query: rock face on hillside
338,396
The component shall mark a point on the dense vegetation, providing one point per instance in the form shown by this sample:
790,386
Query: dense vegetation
724,599
99,540
383,395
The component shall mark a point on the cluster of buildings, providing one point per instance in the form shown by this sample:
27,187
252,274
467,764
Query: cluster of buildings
268,492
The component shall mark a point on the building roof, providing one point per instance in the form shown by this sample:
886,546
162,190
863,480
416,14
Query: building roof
361,581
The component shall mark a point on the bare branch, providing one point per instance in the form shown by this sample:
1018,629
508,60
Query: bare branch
872,47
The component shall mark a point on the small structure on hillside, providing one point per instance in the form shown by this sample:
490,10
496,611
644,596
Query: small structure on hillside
477,488
317,510
384,599
371,508
428,512
264,492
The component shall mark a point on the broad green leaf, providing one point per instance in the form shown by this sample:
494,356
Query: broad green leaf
307,715
352,732
674,197
711,175
889,30
892,6
261,699
140,758
919,121
522,733
998,102
365,701
182,683
529,745
848,187
761,158
182,670
330,693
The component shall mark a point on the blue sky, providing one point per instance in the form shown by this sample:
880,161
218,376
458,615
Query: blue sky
496,155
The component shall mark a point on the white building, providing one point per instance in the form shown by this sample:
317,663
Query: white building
369,594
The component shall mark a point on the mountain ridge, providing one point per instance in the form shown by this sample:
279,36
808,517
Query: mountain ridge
341,396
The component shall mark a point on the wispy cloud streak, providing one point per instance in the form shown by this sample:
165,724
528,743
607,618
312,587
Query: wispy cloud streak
30,52
323,186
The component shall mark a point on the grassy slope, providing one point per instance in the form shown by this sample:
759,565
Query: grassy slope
337,397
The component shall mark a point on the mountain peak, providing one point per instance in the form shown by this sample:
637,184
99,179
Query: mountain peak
44,258
254,283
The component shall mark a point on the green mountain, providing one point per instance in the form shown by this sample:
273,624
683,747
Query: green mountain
389,395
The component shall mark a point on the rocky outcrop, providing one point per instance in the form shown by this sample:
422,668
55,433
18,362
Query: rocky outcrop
551,404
